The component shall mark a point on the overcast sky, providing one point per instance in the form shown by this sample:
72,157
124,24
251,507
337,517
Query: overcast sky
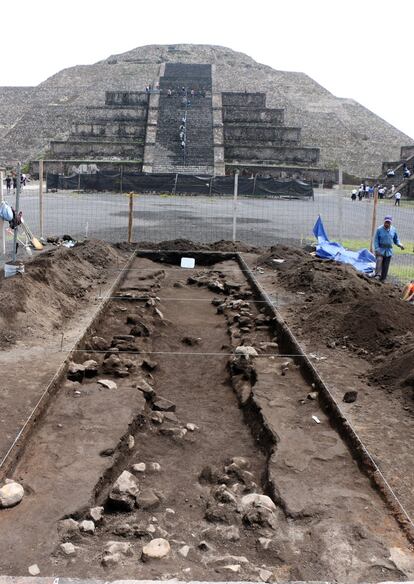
355,48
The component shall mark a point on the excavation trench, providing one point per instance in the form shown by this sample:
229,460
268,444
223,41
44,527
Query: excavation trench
221,425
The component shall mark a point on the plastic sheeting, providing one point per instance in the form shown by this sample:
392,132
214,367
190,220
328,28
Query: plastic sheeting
362,260
180,184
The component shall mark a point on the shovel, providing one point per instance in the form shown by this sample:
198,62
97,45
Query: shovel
33,240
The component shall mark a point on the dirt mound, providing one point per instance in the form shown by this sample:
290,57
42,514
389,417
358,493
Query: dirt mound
397,369
51,289
343,305
186,245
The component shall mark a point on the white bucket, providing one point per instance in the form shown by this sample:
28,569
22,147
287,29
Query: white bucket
13,269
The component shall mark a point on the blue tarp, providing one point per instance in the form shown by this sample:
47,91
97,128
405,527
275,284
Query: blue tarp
362,260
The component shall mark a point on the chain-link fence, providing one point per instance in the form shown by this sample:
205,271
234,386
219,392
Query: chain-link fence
259,221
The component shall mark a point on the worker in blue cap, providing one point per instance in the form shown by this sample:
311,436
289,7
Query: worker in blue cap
385,237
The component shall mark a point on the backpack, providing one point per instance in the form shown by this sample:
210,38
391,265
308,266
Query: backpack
6,212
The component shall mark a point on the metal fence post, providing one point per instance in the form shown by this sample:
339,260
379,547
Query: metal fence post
3,224
121,178
374,219
130,216
236,189
41,198
18,178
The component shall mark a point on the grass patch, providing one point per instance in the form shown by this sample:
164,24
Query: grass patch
402,273
356,244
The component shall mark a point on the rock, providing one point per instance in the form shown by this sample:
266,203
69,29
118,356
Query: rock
264,543
112,363
257,500
87,526
258,510
107,452
241,462
148,499
284,367
228,533
90,368
76,372
34,570
149,364
146,389
118,547
219,513
156,549
169,511
157,417
153,467
124,491
140,330
191,427
162,404
265,575
125,343
108,383
191,341
140,467
151,529
229,559
96,514
184,551
131,442
68,549
204,546
313,395
216,286
170,417
350,397
111,560
242,388
177,433
246,351
223,495
158,312
232,568
11,494
99,344
68,528
259,516
162,532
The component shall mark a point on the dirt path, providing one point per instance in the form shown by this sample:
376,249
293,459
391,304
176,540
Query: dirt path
328,523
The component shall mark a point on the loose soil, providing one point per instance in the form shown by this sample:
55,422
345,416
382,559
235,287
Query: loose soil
329,524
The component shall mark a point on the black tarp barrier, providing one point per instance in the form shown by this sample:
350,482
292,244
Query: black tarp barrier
179,184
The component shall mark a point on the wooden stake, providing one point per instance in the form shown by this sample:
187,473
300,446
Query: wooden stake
41,198
130,216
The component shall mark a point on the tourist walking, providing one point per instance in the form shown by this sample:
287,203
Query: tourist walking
385,237
8,184
397,198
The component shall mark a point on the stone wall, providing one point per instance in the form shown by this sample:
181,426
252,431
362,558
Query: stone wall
255,116
280,154
406,152
260,133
